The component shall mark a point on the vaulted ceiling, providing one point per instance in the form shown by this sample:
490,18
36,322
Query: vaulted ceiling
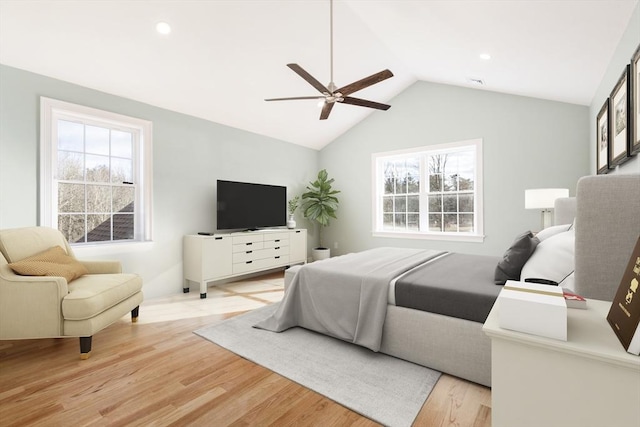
223,58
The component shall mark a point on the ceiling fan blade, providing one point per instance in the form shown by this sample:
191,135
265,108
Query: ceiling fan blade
366,82
326,109
309,78
294,98
364,103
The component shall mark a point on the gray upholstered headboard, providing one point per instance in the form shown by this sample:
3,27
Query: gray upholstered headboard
607,228
564,210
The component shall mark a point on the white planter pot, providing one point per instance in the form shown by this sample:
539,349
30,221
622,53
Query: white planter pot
319,254
291,223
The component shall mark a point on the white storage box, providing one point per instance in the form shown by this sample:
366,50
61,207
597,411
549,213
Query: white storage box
534,309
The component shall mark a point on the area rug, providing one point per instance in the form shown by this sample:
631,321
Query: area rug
385,389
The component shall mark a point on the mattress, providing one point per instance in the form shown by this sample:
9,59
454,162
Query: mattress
455,285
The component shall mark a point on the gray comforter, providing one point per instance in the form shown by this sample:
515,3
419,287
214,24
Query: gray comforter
345,296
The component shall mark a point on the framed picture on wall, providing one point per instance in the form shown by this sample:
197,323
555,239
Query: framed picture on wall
634,113
602,139
619,120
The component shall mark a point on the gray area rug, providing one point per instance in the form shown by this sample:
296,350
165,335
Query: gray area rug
385,389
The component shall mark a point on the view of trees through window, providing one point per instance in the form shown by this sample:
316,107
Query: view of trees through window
428,191
401,199
96,192
451,192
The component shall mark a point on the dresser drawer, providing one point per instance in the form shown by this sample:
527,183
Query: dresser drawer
260,264
249,246
276,244
259,254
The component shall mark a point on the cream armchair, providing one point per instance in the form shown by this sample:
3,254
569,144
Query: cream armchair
49,306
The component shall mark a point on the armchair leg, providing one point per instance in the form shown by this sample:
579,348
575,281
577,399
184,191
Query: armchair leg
134,314
85,347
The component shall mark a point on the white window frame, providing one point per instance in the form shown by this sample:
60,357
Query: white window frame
377,179
52,110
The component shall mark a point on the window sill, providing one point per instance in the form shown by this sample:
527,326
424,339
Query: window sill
451,237
109,248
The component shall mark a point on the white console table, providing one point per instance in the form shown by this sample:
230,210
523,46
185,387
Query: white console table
588,380
222,256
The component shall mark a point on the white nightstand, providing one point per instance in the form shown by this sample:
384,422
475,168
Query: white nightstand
589,380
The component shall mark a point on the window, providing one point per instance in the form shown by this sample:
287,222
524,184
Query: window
95,174
429,192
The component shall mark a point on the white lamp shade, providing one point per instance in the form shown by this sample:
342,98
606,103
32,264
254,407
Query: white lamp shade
543,198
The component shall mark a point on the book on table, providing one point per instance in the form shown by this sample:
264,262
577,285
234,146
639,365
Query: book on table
624,315
574,300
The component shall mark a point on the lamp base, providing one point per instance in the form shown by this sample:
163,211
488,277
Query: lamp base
546,220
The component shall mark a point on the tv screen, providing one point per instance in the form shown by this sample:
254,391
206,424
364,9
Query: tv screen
243,205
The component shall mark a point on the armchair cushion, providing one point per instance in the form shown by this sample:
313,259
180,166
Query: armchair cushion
92,294
52,262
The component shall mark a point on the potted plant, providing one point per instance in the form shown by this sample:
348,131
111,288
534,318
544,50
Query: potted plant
319,204
292,206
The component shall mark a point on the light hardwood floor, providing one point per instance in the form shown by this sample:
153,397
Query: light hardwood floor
158,373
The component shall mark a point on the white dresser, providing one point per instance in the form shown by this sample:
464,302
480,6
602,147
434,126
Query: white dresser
222,256
588,380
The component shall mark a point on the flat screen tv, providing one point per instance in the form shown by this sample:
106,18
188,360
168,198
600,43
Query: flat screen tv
243,205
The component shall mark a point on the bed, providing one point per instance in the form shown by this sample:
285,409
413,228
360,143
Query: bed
595,234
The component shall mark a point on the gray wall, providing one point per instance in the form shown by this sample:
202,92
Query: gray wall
189,154
620,58
527,143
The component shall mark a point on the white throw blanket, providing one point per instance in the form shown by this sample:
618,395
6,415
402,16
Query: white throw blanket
346,296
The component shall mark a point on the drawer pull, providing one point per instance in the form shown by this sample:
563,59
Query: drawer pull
277,247
297,231
218,238
278,257
248,252
248,244
277,240
248,262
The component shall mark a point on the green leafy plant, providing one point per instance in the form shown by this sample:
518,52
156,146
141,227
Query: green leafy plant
293,204
319,203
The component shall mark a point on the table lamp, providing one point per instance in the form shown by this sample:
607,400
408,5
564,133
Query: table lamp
543,199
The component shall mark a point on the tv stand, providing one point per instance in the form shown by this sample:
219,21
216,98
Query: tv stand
224,256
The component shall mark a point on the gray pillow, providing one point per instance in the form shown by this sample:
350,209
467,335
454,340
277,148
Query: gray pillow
515,257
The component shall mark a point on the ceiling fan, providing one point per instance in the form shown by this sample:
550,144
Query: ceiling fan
331,93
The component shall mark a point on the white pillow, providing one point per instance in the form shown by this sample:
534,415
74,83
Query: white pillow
570,282
552,231
553,258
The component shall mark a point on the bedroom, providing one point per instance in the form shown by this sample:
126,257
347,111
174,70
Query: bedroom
189,154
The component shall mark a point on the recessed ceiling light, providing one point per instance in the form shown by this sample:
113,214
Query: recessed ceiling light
485,56
163,28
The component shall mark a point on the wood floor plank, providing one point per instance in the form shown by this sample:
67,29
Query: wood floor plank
158,373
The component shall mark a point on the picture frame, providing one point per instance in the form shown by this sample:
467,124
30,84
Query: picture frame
602,139
634,113
619,133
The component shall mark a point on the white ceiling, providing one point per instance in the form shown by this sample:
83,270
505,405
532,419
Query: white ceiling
223,58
